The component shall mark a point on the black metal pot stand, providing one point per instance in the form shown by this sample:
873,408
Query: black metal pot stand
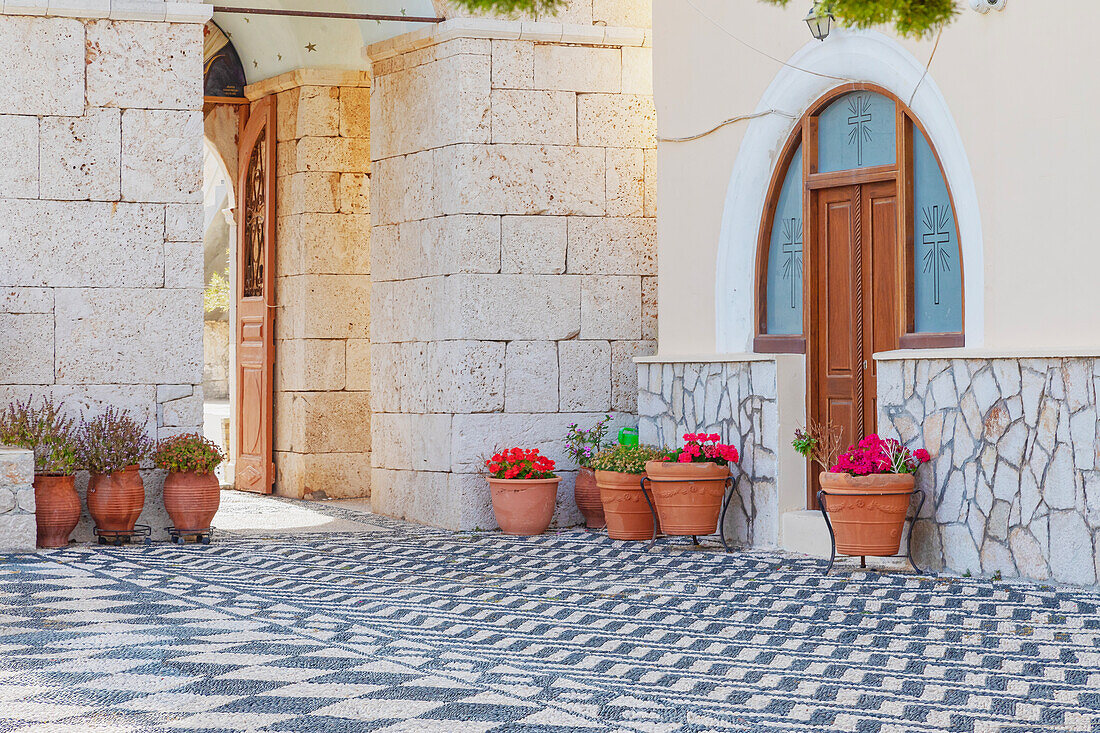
730,488
821,495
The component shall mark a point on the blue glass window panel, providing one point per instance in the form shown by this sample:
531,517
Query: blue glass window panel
785,255
938,277
858,130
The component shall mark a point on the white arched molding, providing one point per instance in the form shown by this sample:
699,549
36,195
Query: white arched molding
865,56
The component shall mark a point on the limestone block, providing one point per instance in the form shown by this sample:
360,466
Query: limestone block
612,246
506,307
91,400
300,193
611,307
418,496
585,377
152,335
303,365
355,112
578,68
8,500
18,169
286,114
637,70
322,422
438,246
331,475
26,300
42,67
628,13
408,441
161,155
326,244
403,188
183,265
480,179
16,467
80,156
18,533
341,154
651,182
513,64
533,244
624,373
649,307
525,116
357,368
354,193
182,412
431,105
323,306
625,182
145,65
617,120
532,377
26,348
318,112
407,310
81,244
286,158
183,222
448,376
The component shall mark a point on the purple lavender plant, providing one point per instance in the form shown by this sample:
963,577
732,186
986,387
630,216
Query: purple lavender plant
111,442
583,445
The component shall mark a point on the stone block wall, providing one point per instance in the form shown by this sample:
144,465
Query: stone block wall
18,530
513,250
100,209
322,263
737,400
1014,486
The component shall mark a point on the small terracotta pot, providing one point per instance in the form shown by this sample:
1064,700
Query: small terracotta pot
587,495
524,506
688,495
624,505
867,525
115,500
56,509
192,500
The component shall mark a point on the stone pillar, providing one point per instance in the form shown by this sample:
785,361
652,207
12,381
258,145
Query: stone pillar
322,262
18,530
100,210
514,252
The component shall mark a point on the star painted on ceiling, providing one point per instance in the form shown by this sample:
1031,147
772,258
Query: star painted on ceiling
280,56
255,64
311,47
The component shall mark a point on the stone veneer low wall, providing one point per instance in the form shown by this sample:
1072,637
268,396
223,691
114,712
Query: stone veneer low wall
1014,486
737,400
18,530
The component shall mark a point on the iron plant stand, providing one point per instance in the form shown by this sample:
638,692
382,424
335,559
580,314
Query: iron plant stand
863,558
142,532
729,492
180,536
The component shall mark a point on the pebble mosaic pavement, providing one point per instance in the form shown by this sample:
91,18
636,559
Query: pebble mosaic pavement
414,629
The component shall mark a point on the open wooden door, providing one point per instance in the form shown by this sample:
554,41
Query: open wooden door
255,469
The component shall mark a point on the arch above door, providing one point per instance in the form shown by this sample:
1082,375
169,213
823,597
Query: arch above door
866,56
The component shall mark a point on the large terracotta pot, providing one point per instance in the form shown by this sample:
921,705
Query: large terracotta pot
115,500
192,500
524,506
688,495
625,506
587,495
863,524
56,509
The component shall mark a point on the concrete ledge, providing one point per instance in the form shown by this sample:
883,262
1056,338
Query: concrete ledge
977,353
308,78
143,10
704,358
804,532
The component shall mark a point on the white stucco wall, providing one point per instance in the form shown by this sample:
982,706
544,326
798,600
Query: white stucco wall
1016,94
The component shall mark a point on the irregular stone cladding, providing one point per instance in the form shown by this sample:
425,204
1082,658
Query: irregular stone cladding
101,214
738,401
18,530
322,265
1014,485
513,253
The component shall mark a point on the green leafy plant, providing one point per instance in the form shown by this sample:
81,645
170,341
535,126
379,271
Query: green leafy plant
910,18
820,442
187,453
47,431
583,445
216,295
112,442
511,7
627,458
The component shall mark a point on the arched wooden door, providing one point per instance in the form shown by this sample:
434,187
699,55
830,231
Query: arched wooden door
859,195
255,470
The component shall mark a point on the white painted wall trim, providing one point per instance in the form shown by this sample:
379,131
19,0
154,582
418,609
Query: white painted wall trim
145,10
865,56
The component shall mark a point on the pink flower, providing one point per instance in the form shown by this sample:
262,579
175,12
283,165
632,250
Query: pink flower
684,457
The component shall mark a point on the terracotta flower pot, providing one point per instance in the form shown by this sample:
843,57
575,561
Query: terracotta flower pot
56,509
524,506
688,495
191,499
587,495
863,524
115,500
624,506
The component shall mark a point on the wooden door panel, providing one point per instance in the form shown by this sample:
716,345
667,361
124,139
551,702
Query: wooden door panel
882,301
255,300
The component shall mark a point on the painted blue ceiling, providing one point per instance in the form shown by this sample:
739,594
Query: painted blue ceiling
270,45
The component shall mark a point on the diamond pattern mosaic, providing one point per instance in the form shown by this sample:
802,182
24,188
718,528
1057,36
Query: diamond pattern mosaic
414,629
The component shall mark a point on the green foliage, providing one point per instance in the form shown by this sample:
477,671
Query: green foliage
216,295
910,18
583,445
111,442
511,7
626,458
47,431
185,453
